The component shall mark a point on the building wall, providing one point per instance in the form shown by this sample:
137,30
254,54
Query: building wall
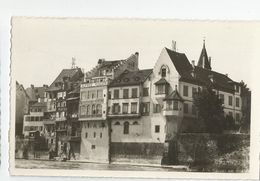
94,148
22,106
33,125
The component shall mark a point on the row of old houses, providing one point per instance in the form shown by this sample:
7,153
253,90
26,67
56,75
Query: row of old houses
117,112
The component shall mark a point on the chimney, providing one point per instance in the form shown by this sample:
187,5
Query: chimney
174,45
101,60
32,86
210,61
227,75
137,54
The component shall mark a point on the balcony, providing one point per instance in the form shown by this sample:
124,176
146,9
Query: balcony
91,117
60,119
171,112
99,81
125,115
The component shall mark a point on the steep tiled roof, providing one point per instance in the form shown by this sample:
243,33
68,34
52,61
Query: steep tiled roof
204,60
64,73
161,81
109,64
180,61
174,96
131,78
35,92
201,75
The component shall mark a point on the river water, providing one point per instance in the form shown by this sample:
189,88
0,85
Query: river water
40,164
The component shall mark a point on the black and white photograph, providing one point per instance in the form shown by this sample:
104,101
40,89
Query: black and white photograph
132,97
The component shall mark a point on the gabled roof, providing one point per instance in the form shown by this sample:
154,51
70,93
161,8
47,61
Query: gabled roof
109,64
201,76
35,92
161,81
205,77
204,60
174,96
131,78
69,73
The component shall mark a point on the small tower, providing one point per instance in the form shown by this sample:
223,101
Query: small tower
204,61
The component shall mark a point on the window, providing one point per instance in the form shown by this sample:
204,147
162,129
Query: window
88,109
169,105
126,127
135,123
117,123
146,108
194,92
88,125
116,108
133,107
100,135
237,102
99,109
186,108
125,93
161,89
145,91
237,116
163,72
83,96
83,110
93,94
175,105
230,100
230,114
125,108
93,147
193,110
100,94
185,90
157,129
134,92
116,94
222,98
237,88
103,125
94,134
93,109
157,108
109,94
86,135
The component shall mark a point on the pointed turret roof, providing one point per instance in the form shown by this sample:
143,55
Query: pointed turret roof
204,59
174,96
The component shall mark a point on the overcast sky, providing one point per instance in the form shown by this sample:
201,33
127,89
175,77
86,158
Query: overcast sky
41,48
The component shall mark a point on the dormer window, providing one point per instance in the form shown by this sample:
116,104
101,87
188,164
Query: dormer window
163,72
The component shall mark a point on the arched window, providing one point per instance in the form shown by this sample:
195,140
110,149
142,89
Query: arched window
126,127
99,109
117,123
164,70
135,123
88,109
93,110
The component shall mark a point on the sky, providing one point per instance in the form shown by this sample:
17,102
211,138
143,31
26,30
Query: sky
42,47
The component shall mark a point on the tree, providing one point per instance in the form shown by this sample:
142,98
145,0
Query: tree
210,110
246,107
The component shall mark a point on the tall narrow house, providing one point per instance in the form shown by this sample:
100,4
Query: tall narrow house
95,134
58,122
